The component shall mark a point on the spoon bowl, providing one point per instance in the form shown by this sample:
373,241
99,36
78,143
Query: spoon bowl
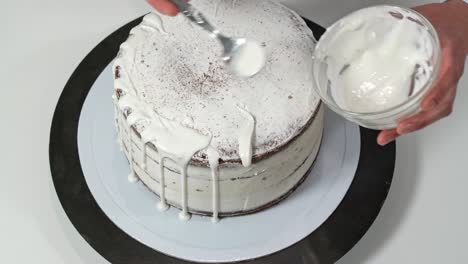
242,57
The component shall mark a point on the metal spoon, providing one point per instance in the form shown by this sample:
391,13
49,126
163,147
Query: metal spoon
243,57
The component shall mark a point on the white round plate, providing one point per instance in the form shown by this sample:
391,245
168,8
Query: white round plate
132,207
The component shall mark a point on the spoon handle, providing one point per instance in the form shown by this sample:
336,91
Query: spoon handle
196,17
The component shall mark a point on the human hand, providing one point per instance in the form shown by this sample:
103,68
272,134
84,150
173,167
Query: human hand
450,19
165,7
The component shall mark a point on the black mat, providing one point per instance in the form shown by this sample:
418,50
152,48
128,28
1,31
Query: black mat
341,231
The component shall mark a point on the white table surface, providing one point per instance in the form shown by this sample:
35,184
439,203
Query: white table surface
424,219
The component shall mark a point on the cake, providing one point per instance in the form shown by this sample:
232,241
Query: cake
203,140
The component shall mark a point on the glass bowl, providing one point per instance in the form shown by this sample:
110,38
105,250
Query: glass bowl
383,119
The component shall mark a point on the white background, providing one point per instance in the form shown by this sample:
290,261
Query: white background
423,221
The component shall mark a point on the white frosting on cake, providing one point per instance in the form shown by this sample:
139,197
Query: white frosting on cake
179,112
245,137
214,164
181,74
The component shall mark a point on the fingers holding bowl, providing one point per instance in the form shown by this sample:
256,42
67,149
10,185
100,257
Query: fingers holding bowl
441,109
165,7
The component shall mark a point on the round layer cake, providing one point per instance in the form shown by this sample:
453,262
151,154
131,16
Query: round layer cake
202,139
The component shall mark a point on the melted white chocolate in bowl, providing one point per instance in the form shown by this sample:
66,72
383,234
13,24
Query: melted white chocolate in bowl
376,58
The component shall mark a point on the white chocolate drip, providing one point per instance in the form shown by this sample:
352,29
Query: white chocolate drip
117,118
162,205
132,177
178,143
184,215
213,157
246,137
171,139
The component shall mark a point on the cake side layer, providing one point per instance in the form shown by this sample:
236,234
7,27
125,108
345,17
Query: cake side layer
241,190
187,82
